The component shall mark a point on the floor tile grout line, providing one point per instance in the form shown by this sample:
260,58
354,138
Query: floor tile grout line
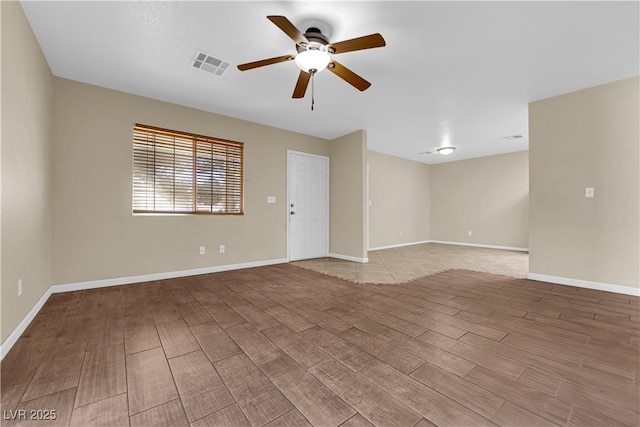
99,400
126,378
459,403
372,384
229,390
214,412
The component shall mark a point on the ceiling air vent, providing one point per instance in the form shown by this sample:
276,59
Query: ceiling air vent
211,64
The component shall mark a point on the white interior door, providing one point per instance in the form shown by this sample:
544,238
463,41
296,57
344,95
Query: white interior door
308,206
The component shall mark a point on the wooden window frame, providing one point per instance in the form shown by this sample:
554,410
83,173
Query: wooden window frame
233,182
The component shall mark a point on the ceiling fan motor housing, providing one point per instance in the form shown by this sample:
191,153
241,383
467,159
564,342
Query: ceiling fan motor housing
314,34
317,41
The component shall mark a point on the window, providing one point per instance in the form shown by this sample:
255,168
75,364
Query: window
177,172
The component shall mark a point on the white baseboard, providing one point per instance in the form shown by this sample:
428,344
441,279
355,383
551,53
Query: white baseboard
618,289
399,245
22,326
349,258
476,245
92,284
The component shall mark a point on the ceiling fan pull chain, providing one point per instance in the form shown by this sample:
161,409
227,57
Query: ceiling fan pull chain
313,101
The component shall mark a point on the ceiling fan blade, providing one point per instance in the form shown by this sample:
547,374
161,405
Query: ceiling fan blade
360,43
301,85
256,64
348,76
285,25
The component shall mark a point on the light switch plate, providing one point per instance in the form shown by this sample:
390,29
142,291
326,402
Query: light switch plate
589,192
271,199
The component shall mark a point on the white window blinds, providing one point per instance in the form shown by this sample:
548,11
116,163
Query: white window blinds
178,172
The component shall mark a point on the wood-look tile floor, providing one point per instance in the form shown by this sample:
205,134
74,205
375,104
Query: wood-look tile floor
398,265
285,346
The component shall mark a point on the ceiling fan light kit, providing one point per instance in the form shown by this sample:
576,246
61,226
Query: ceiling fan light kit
312,60
314,55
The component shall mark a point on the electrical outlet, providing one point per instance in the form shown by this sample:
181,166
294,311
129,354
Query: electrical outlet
589,192
469,233
19,287
221,249
202,250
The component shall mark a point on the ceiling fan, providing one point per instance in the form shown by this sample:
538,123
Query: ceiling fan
314,55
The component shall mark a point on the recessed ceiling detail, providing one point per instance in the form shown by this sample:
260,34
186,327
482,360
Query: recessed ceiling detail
209,63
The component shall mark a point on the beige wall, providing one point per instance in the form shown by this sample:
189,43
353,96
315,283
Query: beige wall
588,138
27,101
95,234
399,190
348,213
487,196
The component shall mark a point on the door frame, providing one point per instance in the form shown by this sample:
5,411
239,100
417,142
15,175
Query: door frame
287,208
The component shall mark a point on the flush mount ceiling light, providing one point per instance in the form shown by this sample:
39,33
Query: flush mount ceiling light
445,151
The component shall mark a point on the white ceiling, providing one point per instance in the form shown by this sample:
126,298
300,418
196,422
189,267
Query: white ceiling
456,72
